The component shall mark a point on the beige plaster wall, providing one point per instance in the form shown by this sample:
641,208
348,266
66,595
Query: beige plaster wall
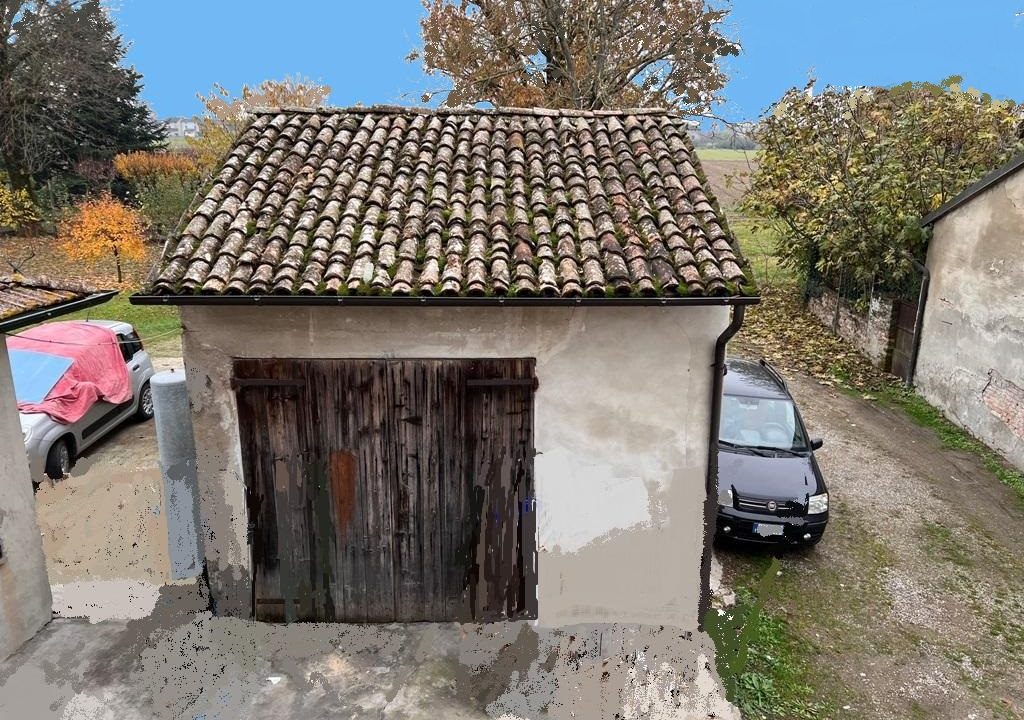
25,600
971,362
621,436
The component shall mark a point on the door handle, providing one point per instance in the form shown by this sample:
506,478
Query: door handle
135,368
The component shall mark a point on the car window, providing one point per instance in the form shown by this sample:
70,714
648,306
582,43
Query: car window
130,344
125,346
761,422
36,373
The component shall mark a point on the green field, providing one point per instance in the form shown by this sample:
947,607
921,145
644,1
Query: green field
726,154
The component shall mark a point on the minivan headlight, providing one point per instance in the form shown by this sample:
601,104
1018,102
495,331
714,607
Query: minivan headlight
725,496
818,504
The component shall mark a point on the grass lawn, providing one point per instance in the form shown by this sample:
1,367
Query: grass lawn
758,245
157,325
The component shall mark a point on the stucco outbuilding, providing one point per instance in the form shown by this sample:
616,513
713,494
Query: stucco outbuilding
970,362
456,365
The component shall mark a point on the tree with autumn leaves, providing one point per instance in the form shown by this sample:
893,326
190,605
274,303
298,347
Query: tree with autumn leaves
845,175
225,116
102,228
585,54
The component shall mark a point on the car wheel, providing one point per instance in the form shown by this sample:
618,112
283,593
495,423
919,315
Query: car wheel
58,460
145,409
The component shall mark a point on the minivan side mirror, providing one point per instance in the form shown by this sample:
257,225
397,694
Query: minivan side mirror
816,443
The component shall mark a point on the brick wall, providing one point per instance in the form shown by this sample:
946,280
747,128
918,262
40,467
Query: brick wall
872,333
1006,401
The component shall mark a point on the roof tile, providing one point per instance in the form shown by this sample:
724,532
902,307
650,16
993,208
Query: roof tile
400,201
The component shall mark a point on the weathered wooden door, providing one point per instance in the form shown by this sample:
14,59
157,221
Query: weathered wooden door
903,348
389,490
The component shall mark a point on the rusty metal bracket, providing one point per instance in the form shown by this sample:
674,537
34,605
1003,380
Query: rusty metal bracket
503,382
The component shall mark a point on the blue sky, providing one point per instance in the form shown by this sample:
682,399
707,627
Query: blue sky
359,48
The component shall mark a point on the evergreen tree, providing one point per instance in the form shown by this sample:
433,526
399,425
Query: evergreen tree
65,95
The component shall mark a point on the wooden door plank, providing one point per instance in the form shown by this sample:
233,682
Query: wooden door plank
349,530
357,540
405,504
379,402
457,528
500,450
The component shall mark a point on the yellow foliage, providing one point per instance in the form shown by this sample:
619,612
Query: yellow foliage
16,208
226,116
103,227
145,168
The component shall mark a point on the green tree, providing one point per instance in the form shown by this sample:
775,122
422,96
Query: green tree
586,54
65,95
847,175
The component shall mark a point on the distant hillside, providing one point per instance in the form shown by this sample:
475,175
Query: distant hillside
734,137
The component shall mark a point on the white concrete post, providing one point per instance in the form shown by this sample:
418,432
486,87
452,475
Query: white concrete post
178,468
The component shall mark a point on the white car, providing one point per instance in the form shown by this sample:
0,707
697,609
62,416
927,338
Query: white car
53,446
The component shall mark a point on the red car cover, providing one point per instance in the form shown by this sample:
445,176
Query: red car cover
97,372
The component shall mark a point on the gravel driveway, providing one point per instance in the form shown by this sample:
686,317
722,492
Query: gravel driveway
912,605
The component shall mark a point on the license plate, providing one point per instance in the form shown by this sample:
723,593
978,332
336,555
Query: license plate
767,530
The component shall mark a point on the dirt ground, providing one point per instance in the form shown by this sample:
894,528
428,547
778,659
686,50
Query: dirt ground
729,178
103,528
913,604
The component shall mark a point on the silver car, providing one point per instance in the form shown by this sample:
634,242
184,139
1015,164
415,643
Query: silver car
53,447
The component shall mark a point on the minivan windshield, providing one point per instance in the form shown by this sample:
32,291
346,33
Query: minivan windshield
765,423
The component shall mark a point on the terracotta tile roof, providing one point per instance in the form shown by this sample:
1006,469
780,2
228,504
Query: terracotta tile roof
400,201
19,294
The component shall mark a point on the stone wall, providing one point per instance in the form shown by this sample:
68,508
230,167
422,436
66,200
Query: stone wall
872,333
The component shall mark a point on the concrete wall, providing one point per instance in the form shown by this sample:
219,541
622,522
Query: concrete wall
24,588
971,363
621,437
872,333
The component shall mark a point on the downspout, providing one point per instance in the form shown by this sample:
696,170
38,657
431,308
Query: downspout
711,483
922,300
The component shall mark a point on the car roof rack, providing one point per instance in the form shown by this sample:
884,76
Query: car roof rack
774,373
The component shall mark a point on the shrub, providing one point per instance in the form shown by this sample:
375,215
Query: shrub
144,167
163,182
16,208
104,227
